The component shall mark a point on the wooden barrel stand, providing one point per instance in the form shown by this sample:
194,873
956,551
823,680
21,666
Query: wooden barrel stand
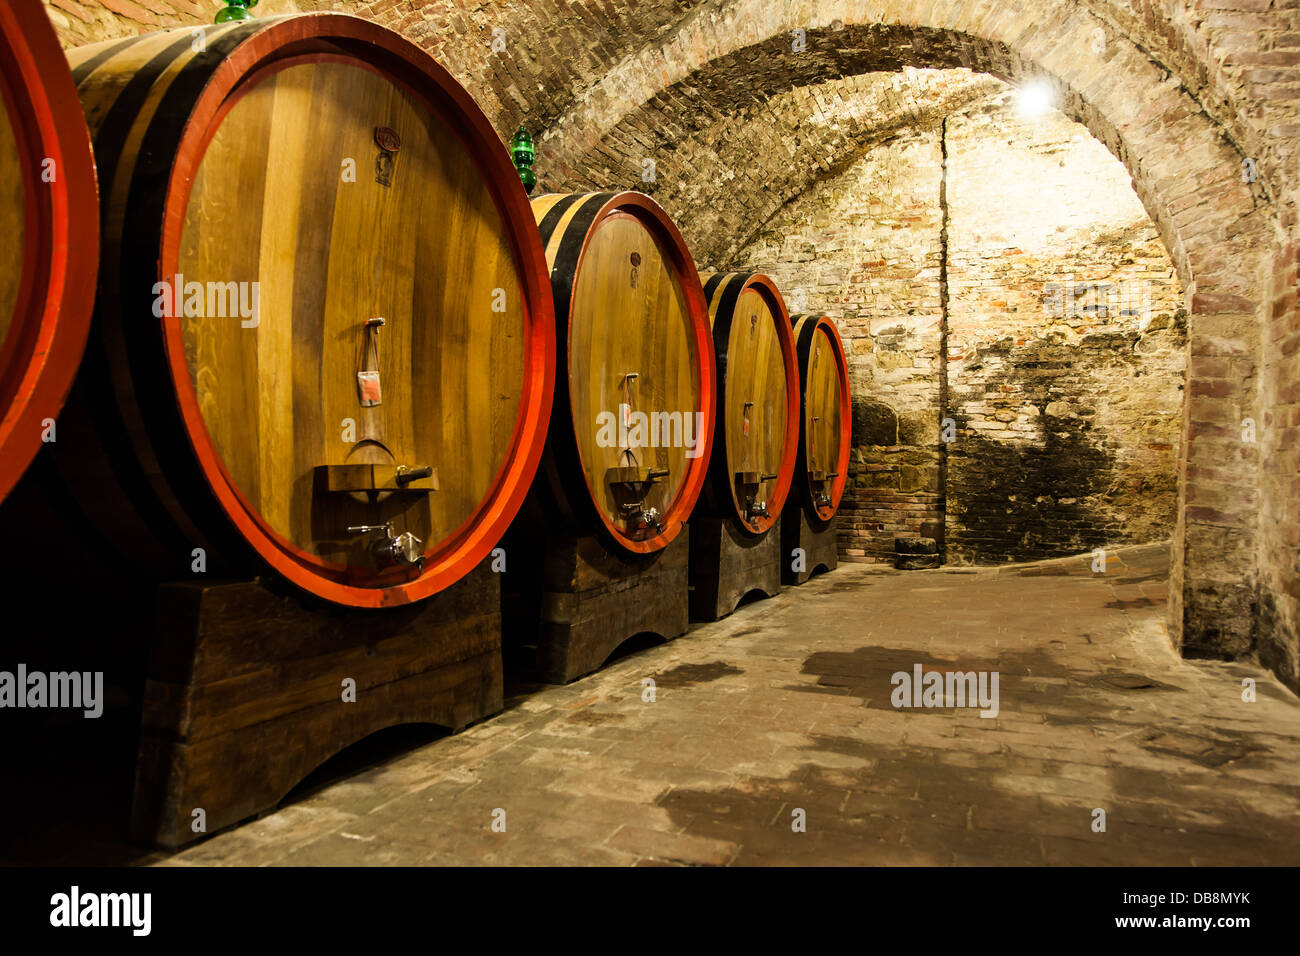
246,691
579,601
818,546
727,564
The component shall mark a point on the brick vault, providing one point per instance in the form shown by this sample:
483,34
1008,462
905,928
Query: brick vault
743,108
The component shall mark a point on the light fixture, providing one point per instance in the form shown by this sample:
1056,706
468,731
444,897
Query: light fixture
1035,98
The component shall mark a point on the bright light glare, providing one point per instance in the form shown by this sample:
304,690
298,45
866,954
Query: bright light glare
1035,98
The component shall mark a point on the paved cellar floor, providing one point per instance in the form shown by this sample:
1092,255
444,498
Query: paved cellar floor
785,706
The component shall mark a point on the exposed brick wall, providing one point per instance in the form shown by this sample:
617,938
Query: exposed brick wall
1066,413
864,248
1066,345
89,21
1278,435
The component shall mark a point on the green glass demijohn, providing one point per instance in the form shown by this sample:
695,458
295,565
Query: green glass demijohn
522,152
235,10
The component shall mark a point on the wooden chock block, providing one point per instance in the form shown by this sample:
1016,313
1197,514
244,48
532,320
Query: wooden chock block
249,691
585,600
804,549
726,564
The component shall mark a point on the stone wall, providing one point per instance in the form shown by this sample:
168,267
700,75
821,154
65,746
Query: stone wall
1065,340
1278,435
864,248
1066,345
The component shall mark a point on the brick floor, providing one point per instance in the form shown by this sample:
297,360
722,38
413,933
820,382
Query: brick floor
785,706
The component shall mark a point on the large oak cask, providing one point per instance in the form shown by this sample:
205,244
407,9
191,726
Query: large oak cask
49,225
758,400
324,340
821,467
632,425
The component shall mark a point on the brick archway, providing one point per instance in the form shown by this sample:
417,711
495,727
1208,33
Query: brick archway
1222,235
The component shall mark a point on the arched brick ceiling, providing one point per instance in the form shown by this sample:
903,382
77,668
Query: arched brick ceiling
1229,55
1227,72
556,50
580,73
751,74
1186,169
725,163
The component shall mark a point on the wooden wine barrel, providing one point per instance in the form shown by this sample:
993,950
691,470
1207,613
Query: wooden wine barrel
48,220
821,468
758,399
632,427
324,336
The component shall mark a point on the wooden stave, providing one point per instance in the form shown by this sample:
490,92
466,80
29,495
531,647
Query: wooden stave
723,291
165,482
42,351
564,490
805,327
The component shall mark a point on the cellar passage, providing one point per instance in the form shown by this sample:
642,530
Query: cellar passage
1026,360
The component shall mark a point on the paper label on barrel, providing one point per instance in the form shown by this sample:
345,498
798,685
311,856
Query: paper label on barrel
368,386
